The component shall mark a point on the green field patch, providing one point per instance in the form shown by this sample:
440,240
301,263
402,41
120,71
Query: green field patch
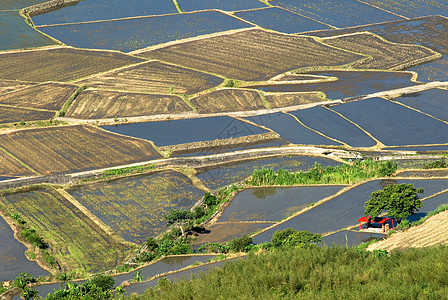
278,100
16,34
60,64
74,239
385,55
74,148
135,207
253,54
14,114
228,100
154,77
98,104
49,96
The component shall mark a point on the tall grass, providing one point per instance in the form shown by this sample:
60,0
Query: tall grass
341,174
319,273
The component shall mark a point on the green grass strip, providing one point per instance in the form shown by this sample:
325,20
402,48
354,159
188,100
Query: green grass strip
19,161
177,6
70,100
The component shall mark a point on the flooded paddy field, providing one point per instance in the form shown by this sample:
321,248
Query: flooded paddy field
75,241
49,96
349,83
165,133
424,173
347,208
60,64
221,176
16,34
393,124
433,102
128,35
74,148
291,130
12,256
337,13
98,104
154,77
412,8
94,10
429,205
421,149
350,238
135,207
432,71
273,203
18,4
334,126
228,5
233,55
15,114
282,20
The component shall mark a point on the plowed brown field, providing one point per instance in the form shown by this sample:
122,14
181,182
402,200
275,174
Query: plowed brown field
14,114
278,100
11,85
11,167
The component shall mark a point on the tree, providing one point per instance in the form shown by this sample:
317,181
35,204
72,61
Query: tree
399,200
180,218
292,237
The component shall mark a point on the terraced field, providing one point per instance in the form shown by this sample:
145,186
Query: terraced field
228,100
278,100
233,55
15,114
74,148
11,85
9,166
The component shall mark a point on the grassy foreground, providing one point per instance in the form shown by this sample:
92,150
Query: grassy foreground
319,273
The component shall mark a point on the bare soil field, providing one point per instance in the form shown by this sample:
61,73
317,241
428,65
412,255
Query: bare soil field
432,232
154,77
386,55
228,100
46,96
14,114
74,148
278,100
60,64
11,167
252,54
12,85
97,104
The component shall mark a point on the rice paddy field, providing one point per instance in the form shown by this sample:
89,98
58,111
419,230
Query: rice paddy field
413,8
350,238
279,100
9,166
15,114
18,4
229,5
12,85
228,100
135,207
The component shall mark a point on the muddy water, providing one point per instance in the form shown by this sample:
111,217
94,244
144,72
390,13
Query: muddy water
350,238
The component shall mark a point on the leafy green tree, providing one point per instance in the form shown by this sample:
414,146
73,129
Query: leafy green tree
398,200
210,199
180,218
241,243
104,282
292,237
28,294
23,279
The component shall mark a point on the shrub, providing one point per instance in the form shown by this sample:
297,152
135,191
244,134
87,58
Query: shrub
240,244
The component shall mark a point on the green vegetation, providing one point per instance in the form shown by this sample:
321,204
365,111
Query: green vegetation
292,237
70,100
341,174
399,200
171,243
319,273
438,164
127,170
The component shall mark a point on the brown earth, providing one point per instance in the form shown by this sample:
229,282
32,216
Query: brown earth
431,232
60,64
228,100
252,54
385,55
279,100
47,96
11,167
7,86
287,77
154,77
14,114
74,148
424,173
98,104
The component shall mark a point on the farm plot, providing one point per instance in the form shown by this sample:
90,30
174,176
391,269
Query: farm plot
60,64
49,96
7,86
433,71
424,173
345,209
282,20
11,167
433,102
229,5
429,205
349,83
135,207
420,149
413,8
14,114
253,54
74,148
222,176
12,256
385,55
333,125
128,35
273,203
75,241
98,104
18,4
16,34
94,10
154,77
228,100
291,130
279,100
174,132
337,13
350,238
393,124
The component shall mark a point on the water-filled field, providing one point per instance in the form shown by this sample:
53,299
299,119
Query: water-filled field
350,238
413,8
229,5
433,102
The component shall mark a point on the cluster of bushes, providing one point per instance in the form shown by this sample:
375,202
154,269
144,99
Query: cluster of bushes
341,174
438,164
169,244
128,170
